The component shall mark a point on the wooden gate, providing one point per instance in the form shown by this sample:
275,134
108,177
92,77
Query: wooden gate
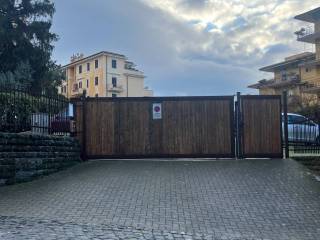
260,127
176,127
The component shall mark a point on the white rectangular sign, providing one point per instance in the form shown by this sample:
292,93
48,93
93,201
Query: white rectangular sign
157,111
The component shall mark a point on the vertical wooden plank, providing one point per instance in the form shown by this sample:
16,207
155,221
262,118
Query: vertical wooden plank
197,127
218,129
133,130
189,127
100,128
262,126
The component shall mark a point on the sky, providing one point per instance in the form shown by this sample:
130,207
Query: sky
185,47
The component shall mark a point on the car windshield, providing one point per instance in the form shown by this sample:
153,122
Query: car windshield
295,119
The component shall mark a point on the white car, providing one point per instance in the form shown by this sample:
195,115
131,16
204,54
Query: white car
302,129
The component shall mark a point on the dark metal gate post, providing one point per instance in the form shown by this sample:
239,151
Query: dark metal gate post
238,127
285,140
84,127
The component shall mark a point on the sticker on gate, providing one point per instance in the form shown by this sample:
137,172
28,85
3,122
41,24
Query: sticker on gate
157,111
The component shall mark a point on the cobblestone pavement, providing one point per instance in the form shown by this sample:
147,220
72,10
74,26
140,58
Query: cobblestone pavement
249,199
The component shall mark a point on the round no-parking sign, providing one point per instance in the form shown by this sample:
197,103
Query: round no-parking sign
157,111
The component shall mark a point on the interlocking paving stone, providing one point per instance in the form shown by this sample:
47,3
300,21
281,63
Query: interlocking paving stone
248,199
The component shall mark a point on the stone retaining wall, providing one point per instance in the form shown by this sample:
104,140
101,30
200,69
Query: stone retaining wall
24,157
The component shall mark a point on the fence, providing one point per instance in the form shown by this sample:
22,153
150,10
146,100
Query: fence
155,127
179,127
302,133
258,131
25,111
259,126
303,136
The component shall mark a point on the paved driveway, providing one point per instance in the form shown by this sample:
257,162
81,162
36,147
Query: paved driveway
249,199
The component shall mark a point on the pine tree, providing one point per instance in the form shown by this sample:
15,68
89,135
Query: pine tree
26,43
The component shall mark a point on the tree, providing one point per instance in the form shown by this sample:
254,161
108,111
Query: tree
312,112
26,43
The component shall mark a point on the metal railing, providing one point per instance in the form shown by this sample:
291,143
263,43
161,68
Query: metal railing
25,111
304,32
113,88
303,136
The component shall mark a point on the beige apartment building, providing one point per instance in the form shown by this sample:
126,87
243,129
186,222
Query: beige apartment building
103,74
299,75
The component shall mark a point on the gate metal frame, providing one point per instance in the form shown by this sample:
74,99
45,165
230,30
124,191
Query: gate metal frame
240,126
236,126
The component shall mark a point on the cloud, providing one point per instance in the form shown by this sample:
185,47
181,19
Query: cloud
210,27
194,47
243,29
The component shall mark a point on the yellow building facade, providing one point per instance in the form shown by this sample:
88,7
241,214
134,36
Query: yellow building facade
299,74
104,74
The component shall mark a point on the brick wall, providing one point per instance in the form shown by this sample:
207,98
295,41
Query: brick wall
24,157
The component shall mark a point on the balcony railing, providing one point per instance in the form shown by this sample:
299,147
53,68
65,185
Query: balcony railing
304,32
291,77
313,88
112,88
294,77
75,88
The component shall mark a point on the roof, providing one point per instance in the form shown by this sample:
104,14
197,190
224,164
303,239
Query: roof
261,84
310,63
290,61
285,83
102,53
274,84
310,16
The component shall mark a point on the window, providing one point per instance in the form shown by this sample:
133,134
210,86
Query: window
96,63
75,87
88,67
80,84
87,83
290,92
114,82
80,69
114,63
283,75
96,81
114,95
293,119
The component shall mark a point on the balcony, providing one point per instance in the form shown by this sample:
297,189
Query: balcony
294,77
312,89
287,80
115,89
307,35
75,88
